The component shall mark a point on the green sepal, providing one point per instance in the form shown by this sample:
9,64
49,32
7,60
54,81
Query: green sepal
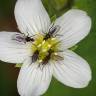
18,65
74,48
53,18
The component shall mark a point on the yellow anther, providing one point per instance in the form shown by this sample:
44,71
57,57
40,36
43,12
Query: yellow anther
40,61
55,53
49,45
43,42
44,50
39,45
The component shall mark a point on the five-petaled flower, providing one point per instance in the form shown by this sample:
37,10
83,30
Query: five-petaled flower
43,48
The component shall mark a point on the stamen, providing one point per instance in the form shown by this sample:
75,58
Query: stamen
39,45
44,50
49,45
40,61
43,42
55,53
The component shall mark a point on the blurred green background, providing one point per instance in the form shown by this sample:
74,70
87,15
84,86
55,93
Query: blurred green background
86,48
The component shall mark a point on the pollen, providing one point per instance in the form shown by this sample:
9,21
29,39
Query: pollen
55,53
39,45
44,50
43,42
40,61
49,45
44,47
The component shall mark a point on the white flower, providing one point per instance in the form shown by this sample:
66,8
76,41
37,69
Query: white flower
34,78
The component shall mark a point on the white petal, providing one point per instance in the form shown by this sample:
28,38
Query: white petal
31,16
33,80
75,25
73,71
11,50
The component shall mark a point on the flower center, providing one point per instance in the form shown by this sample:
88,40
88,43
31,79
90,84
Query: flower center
45,50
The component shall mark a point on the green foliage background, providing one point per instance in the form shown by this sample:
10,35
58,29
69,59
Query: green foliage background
86,48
